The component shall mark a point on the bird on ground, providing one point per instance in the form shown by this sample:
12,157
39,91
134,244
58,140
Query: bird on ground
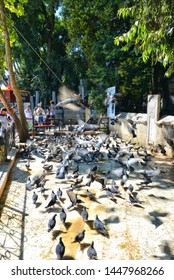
99,226
90,179
48,167
60,174
60,249
114,188
90,194
37,179
27,165
28,184
52,202
52,223
73,198
124,180
80,236
151,173
84,214
63,216
76,170
59,193
53,195
110,194
94,168
91,252
34,197
42,190
130,188
133,198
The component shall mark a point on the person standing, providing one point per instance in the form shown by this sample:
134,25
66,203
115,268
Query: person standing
29,116
52,112
40,114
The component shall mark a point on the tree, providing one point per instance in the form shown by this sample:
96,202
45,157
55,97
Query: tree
152,31
20,122
40,49
151,35
92,26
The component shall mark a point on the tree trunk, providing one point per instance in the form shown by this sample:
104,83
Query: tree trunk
20,122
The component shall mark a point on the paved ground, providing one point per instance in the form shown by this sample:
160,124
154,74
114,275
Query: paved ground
144,231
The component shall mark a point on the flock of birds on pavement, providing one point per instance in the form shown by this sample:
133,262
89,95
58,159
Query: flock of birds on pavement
70,152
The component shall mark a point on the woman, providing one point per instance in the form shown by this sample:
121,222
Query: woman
39,114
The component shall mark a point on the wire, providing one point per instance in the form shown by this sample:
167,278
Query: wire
34,50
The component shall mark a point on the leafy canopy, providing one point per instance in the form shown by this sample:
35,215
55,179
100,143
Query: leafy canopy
151,32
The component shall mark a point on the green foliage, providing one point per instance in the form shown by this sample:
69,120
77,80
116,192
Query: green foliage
92,26
151,32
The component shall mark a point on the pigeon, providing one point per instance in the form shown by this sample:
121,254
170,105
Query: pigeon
59,193
28,184
80,236
34,197
52,202
48,167
53,195
52,223
63,216
133,198
90,194
99,226
91,252
84,214
90,179
130,188
109,193
73,198
60,249
151,173
76,170
37,179
27,165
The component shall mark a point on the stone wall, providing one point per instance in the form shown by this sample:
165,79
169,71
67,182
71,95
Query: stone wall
164,126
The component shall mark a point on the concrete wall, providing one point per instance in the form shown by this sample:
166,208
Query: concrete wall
164,136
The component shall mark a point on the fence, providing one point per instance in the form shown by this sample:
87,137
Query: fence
7,140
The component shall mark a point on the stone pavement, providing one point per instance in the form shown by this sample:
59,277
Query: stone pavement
138,232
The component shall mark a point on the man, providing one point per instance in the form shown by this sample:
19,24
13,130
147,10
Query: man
52,112
4,117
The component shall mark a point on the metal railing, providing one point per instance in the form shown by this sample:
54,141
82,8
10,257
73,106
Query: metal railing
7,140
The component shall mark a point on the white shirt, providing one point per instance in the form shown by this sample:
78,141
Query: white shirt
28,113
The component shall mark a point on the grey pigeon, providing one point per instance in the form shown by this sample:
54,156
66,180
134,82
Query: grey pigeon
133,198
53,195
52,223
73,198
151,173
84,214
34,197
60,249
130,188
59,193
63,216
52,202
28,184
99,226
48,167
80,236
90,194
37,179
91,252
